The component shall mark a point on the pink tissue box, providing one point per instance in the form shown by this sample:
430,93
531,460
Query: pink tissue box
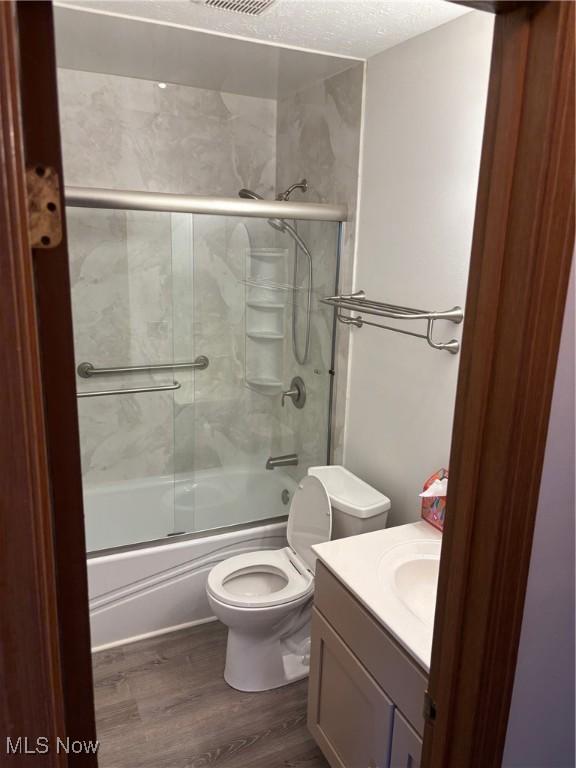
434,507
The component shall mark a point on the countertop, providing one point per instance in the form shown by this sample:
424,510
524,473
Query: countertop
356,561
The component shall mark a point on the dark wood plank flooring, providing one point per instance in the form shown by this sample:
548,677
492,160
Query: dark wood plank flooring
163,703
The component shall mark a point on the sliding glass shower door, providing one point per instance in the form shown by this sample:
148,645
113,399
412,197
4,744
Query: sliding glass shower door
234,420
183,449
122,297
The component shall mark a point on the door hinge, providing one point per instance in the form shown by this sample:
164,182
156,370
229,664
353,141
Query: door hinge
429,708
44,207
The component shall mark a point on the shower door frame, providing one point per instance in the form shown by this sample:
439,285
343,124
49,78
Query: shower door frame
44,642
161,202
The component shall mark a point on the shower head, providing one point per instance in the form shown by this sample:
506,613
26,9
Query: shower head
249,195
278,224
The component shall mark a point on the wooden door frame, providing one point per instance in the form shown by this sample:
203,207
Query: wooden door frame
520,263
522,249
45,664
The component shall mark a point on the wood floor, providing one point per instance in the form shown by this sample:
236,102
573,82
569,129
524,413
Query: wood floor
163,703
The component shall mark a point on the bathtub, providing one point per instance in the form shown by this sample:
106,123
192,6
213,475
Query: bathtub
145,590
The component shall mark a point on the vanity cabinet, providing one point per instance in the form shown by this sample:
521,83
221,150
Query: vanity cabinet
353,717
406,745
366,693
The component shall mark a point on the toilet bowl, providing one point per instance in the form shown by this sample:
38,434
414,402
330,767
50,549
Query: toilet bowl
265,597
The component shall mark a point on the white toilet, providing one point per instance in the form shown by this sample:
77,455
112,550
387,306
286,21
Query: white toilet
265,597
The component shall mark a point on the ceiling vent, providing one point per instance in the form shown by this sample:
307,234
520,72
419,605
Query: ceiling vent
250,7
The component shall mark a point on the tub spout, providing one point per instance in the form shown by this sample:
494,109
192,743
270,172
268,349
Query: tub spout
288,460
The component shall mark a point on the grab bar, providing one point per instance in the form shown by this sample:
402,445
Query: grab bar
135,390
86,370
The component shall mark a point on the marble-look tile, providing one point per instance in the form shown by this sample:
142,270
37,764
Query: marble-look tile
121,287
153,287
122,305
133,273
126,437
125,133
318,137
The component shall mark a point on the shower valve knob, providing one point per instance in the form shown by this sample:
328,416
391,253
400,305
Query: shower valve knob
297,393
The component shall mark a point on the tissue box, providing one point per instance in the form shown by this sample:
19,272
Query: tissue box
434,507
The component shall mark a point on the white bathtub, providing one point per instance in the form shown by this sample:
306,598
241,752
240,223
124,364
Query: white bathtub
126,513
149,590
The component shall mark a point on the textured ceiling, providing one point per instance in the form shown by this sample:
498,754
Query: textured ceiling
358,28
97,42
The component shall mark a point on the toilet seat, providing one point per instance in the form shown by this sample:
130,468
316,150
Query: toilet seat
274,577
227,582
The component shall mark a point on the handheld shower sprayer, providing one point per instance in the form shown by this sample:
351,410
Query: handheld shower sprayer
280,225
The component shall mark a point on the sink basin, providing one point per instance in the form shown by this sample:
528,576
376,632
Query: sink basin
410,571
393,572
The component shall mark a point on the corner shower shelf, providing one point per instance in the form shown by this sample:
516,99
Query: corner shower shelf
265,335
265,291
357,302
268,253
269,285
272,385
257,304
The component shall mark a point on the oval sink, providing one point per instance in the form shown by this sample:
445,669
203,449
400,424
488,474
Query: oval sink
416,584
410,571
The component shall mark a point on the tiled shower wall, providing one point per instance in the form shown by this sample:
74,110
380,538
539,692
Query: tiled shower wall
134,269
131,272
318,138
125,133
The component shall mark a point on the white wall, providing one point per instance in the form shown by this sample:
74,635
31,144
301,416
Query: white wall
541,724
424,118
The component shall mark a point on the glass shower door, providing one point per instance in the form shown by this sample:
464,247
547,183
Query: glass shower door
181,450
122,297
306,431
237,307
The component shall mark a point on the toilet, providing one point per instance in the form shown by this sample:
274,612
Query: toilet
265,597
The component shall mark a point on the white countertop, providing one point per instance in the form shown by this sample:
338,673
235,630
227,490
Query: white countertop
357,562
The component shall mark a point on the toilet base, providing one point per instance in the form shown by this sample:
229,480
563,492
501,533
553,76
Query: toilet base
253,666
256,661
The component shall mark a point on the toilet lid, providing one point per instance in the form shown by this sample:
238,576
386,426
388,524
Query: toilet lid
310,520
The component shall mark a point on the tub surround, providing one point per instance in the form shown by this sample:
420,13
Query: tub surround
134,273
127,133
318,138
175,281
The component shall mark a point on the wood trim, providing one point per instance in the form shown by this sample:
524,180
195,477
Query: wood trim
523,240
499,6
31,689
39,97
522,250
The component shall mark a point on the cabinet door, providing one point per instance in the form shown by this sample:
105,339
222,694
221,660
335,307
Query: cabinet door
406,745
349,715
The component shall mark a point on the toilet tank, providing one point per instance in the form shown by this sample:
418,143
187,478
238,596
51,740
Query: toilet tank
356,506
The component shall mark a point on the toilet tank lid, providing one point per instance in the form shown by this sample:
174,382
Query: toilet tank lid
349,493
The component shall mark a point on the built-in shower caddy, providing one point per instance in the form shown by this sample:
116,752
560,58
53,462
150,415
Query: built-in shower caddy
265,304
